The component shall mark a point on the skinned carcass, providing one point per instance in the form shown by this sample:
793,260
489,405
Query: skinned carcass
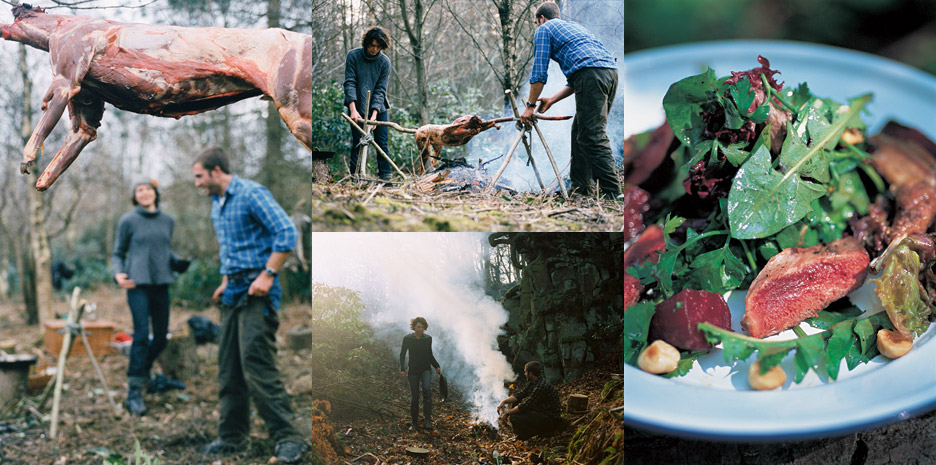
434,136
157,70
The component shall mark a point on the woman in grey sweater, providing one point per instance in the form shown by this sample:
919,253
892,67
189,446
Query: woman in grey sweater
368,70
141,265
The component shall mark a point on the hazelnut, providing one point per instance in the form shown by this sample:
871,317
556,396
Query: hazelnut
658,358
892,344
774,378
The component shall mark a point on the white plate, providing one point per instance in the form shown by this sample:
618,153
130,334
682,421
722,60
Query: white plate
714,400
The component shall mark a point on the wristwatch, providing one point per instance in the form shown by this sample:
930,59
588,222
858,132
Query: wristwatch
270,271
530,105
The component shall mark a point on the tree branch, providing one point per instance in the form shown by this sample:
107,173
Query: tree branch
484,55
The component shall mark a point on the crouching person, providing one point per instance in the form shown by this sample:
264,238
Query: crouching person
255,236
536,409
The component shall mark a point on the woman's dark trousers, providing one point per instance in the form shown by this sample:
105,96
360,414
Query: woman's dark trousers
415,381
148,304
381,135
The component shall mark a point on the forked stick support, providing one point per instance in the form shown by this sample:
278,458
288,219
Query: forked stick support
517,141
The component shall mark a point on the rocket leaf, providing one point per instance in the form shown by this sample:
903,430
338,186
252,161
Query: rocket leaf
851,339
763,201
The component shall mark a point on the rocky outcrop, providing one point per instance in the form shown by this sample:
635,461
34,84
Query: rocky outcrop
569,300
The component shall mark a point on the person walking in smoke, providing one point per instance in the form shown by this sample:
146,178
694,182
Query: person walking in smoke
419,346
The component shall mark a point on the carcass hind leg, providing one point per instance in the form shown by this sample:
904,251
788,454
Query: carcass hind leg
54,103
86,112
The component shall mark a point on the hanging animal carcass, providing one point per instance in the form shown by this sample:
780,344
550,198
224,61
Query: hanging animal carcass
157,70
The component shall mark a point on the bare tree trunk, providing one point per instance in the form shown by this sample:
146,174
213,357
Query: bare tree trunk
414,30
5,277
508,49
274,164
38,239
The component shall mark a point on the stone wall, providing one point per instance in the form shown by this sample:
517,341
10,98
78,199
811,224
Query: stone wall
568,301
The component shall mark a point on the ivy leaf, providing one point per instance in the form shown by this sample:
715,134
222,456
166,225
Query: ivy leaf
763,201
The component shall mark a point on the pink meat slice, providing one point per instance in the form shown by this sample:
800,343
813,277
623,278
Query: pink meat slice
679,324
798,283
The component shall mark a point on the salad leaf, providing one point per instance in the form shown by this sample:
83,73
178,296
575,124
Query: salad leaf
763,200
850,339
744,99
636,328
686,101
898,287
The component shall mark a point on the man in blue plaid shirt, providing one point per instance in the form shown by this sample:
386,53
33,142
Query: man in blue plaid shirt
255,236
591,74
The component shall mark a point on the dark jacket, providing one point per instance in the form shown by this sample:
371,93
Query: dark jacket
420,353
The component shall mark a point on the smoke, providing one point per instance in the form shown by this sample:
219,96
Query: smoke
436,276
605,20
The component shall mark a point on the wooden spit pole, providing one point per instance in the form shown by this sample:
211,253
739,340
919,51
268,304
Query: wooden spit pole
74,317
526,142
552,160
377,147
361,168
503,166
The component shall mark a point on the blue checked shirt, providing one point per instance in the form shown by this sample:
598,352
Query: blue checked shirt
250,225
571,45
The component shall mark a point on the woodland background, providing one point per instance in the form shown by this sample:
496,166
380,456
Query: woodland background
450,58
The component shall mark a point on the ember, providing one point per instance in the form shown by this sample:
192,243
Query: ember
457,175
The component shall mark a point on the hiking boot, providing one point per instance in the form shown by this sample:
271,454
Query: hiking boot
386,177
134,402
289,451
427,425
220,446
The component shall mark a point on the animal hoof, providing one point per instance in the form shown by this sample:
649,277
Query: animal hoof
24,168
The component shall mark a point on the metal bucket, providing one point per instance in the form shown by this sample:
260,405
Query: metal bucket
14,370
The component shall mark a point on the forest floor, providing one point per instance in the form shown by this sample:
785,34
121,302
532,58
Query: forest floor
425,205
363,419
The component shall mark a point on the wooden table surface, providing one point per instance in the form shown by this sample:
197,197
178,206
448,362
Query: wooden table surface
908,442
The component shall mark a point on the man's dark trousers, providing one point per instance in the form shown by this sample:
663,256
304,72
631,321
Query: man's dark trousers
592,159
529,424
247,369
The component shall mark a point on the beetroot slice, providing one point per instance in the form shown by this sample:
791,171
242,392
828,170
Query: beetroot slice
678,324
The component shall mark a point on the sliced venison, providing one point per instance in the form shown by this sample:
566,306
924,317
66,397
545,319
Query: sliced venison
798,283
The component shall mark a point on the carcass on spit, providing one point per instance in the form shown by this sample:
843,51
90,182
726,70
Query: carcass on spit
158,70
435,136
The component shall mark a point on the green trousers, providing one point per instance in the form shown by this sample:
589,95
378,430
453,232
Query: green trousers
247,370
592,159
